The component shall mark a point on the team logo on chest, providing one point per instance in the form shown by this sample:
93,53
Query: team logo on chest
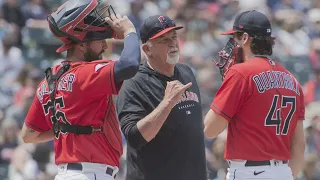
187,100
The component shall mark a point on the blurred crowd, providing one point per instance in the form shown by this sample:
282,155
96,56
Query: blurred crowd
27,48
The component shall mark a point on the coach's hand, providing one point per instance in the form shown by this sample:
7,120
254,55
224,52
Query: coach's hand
121,25
174,91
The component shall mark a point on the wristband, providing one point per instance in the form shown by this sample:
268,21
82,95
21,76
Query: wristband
130,33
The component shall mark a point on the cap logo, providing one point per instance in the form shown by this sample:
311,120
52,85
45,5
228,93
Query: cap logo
161,19
240,26
268,30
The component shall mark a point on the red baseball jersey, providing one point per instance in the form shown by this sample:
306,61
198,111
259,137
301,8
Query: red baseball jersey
83,97
262,102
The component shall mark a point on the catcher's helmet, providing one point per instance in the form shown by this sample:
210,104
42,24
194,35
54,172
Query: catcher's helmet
78,21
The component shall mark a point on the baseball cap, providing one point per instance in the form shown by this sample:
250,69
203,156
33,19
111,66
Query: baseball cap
155,26
252,22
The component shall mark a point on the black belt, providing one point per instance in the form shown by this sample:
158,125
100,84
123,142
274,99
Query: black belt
78,167
261,163
76,129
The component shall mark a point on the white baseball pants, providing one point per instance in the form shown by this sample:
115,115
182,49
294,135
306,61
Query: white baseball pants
275,171
90,171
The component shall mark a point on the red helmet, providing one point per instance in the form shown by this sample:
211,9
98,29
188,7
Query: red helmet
78,21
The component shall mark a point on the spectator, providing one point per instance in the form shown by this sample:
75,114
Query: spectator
206,80
314,17
294,41
134,16
9,141
314,54
11,12
35,9
11,60
22,166
311,170
17,112
28,79
288,4
41,155
312,88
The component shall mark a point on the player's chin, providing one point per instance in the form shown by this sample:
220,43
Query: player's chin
101,55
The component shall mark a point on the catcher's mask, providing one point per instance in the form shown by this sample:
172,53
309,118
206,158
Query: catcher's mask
228,56
78,21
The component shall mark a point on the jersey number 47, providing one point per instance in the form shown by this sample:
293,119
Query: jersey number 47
274,116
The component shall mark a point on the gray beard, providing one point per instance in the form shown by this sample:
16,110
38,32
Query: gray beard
173,60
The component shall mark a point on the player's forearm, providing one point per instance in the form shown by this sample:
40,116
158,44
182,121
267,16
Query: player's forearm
214,124
129,62
297,161
38,137
151,124
45,136
297,149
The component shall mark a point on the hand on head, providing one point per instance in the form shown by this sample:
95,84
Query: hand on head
121,25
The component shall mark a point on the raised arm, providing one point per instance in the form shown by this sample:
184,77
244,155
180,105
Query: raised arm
129,62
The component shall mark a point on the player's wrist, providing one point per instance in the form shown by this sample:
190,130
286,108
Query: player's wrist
127,32
168,103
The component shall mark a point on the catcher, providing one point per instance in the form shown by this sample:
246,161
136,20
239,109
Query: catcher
73,105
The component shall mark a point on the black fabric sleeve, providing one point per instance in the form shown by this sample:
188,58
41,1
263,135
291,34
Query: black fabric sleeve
130,110
129,62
